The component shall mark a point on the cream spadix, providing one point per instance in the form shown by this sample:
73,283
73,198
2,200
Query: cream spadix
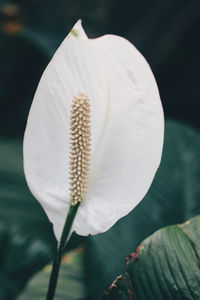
120,138
80,148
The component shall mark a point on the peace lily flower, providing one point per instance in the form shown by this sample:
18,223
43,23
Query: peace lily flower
94,133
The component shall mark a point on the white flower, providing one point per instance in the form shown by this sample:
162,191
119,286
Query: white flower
127,127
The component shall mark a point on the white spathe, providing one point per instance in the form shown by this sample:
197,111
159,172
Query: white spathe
127,130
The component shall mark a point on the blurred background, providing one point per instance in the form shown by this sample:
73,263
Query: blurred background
165,32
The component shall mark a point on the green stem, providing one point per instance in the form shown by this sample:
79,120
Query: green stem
56,264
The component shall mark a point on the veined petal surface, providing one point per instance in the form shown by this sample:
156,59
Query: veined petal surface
132,143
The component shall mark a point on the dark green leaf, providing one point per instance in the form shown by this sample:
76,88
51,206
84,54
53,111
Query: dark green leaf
18,208
70,284
165,266
173,198
20,257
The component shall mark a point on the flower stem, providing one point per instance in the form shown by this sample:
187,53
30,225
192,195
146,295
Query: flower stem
56,264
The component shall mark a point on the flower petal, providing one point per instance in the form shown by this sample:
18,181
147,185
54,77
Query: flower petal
73,69
131,149
127,130
78,32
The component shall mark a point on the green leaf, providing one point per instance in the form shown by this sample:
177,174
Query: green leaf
20,257
165,266
173,198
70,283
18,208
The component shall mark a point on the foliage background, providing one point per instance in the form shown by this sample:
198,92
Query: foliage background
167,34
